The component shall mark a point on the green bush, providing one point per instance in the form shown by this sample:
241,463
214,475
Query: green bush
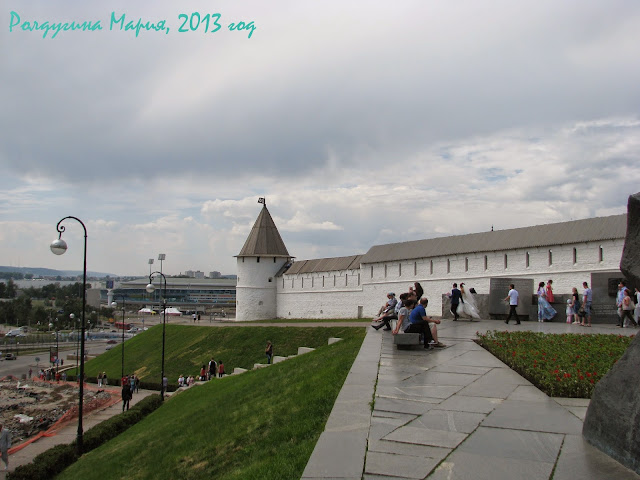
53,461
46,465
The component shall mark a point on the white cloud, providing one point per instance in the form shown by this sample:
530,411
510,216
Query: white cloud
360,124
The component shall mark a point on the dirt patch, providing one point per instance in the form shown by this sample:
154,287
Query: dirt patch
30,407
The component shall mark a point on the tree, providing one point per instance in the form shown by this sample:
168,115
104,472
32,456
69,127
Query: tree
3,289
11,289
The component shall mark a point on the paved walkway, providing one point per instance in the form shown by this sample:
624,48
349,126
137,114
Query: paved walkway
455,413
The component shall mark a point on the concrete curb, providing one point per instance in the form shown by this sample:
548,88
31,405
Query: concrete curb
344,439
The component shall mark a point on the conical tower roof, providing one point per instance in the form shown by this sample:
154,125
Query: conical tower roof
264,239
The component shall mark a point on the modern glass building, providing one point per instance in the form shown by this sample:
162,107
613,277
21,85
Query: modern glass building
183,293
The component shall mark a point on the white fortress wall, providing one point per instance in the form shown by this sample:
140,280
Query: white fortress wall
256,287
335,294
339,294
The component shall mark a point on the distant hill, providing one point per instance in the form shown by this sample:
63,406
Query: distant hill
49,272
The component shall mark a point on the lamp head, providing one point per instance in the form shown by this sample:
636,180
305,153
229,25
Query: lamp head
151,288
58,246
72,316
114,304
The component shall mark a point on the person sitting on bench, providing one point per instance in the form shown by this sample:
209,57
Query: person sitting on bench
419,323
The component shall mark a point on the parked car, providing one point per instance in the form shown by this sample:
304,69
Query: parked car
10,356
133,330
16,332
112,342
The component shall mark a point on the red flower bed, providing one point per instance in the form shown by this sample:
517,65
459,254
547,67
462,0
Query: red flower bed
566,365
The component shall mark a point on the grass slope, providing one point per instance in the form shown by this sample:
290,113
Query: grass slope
187,348
262,424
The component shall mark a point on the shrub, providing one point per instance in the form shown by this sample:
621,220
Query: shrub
46,465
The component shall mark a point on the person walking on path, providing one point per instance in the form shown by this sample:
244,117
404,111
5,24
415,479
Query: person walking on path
5,445
220,370
513,297
269,352
126,395
587,297
627,308
545,311
456,298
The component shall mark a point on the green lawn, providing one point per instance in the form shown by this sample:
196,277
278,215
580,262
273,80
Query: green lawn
566,365
311,320
262,424
187,348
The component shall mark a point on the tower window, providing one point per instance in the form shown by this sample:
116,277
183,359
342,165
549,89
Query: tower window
466,264
506,262
526,259
448,265
486,262
550,257
575,255
431,267
601,253
258,261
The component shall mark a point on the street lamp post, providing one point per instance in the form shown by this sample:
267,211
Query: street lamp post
151,288
75,329
114,304
59,247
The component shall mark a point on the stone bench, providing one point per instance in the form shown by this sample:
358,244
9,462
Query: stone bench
406,340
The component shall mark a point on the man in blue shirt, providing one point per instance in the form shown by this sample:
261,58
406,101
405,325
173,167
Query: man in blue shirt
419,323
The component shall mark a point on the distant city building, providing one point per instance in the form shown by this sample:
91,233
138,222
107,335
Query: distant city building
215,275
183,293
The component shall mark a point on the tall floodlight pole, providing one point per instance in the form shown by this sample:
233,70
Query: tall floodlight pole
151,288
59,247
161,257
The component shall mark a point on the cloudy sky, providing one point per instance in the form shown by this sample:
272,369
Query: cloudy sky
360,122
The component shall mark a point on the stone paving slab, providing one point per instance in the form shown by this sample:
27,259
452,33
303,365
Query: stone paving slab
513,444
412,449
405,406
468,466
464,403
337,455
534,416
461,369
432,377
463,422
418,392
579,460
399,465
427,436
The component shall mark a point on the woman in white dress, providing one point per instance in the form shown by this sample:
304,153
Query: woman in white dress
469,307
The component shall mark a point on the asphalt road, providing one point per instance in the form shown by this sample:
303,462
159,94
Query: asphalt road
22,364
